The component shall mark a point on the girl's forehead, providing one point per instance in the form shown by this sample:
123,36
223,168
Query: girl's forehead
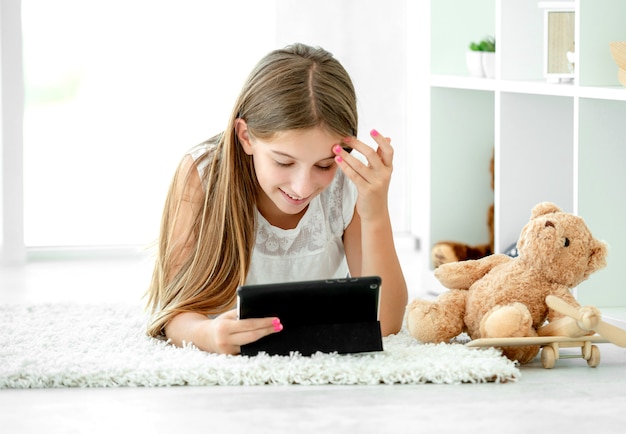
309,136
310,145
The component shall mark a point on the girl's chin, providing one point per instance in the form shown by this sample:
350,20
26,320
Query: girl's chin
293,209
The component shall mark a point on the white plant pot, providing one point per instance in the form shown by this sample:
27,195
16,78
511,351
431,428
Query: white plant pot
489,64
474,60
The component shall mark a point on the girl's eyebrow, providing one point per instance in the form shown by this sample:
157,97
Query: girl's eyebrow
283,154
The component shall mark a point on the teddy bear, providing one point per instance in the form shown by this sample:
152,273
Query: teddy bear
444,252
502,296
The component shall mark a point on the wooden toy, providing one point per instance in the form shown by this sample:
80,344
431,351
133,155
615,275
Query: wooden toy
551,345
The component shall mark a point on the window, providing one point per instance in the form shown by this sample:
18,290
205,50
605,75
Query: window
116,92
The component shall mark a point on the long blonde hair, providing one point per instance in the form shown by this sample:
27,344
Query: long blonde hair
297,87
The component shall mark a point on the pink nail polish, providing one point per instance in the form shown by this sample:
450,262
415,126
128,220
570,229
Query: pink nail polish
277,325
337,149
374,133
338,159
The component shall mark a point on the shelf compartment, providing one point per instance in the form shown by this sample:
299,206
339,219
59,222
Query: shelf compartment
459,22
535,160
599,23
462,143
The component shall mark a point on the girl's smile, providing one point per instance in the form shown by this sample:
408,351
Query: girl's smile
293,199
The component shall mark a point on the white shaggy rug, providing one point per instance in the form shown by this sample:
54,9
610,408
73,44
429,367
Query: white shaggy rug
78,345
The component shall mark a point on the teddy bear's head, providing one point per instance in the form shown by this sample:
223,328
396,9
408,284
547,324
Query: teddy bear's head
560,246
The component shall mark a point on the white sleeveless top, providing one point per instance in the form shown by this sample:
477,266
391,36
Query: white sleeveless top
314,248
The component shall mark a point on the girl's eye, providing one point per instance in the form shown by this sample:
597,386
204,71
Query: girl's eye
324,167
279,164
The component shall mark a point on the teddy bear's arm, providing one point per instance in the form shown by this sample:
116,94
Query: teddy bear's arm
461,275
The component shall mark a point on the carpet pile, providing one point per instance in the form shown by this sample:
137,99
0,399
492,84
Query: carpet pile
88,345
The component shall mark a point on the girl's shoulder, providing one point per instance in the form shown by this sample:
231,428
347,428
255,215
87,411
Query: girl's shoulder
202,154
201,149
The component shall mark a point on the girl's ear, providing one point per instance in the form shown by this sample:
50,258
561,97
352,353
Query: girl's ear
241,130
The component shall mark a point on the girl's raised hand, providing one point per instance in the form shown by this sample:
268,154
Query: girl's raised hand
371,179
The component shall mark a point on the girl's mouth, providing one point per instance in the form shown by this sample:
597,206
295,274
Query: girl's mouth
296,200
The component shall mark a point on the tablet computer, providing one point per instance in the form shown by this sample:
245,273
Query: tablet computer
332,315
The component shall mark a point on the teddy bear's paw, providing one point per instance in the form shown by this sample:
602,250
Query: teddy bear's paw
443,253
419,320
522,355
431,322
513,320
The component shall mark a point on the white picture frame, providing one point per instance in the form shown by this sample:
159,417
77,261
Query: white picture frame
559,49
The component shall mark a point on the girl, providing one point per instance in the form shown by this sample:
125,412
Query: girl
276,197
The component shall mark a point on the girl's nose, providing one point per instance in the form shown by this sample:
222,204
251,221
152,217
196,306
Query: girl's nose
303,184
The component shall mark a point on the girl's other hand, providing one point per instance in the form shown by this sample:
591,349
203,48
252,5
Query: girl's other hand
228,334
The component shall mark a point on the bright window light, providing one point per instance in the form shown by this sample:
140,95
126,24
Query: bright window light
116,92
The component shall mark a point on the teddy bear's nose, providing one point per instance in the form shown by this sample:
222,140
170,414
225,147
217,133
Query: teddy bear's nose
549,224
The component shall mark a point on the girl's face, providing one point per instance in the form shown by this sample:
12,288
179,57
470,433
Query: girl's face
292,168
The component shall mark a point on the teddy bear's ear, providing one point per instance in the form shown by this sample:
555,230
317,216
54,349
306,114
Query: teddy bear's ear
597,258
544,208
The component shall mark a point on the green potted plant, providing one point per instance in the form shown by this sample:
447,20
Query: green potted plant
481,57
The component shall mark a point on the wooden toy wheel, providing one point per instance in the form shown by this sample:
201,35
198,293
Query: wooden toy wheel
548,357
594,359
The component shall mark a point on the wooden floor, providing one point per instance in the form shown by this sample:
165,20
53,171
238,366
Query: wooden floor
571,397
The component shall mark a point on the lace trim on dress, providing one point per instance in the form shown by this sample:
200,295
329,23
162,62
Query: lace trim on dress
324,216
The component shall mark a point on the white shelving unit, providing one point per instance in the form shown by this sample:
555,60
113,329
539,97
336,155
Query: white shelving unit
564,143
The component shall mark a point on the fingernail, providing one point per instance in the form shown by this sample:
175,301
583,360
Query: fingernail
338,159
346,139
337,149
277,325
374,133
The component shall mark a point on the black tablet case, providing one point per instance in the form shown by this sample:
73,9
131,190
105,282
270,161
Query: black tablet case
336,315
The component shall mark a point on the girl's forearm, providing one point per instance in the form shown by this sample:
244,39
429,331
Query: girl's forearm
379,258
189,327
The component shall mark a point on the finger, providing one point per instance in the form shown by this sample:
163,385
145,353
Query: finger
381,155
354,168
259,324
371,156
255,329
385,150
